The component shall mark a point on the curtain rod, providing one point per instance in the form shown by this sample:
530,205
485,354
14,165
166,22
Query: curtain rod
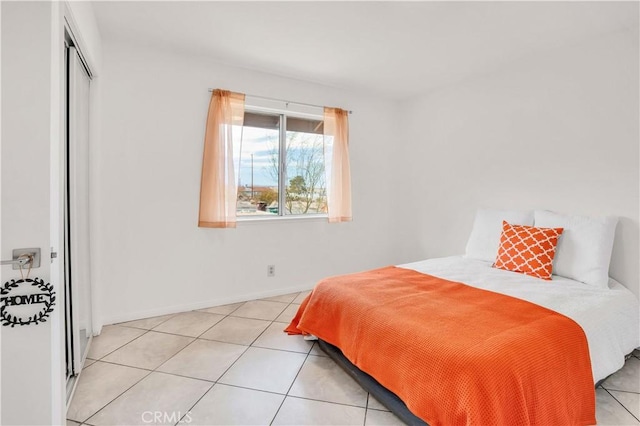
285,101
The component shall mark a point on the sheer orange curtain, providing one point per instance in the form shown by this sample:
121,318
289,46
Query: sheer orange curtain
336,127
218,187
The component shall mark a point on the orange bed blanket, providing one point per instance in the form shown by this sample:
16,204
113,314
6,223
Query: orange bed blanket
455,354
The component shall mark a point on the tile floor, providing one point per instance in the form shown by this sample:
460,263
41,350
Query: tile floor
233,364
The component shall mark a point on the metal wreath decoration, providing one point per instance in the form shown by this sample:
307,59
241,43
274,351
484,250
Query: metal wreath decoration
41,316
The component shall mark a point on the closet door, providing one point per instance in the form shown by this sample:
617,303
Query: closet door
78,254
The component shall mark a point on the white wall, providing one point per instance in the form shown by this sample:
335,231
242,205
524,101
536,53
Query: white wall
152,256
555,131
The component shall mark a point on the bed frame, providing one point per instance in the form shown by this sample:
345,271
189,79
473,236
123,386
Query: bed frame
382,394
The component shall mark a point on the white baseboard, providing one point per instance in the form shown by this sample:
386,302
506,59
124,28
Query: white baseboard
115,319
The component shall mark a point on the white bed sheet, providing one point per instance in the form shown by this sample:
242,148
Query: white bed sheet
609,317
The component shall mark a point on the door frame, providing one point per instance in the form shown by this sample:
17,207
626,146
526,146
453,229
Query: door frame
64,27
77,264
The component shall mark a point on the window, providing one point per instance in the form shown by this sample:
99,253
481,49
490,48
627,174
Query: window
283,148
281,165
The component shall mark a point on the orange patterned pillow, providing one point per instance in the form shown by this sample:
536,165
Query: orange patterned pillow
527,249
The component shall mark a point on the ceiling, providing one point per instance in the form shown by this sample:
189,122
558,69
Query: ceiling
390,49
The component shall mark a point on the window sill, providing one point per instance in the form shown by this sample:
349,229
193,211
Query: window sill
296,218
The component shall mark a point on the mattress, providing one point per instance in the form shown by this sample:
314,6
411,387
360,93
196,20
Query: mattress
610,318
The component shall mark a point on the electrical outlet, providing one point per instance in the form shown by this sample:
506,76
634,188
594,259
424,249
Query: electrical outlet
271,270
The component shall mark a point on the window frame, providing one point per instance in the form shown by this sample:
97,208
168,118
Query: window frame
284,111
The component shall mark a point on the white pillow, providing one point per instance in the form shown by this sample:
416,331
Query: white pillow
584,248
485,236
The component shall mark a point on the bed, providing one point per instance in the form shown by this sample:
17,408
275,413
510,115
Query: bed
518,331
605,330
608,318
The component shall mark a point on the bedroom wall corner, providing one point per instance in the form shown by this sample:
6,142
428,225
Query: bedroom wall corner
556,130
